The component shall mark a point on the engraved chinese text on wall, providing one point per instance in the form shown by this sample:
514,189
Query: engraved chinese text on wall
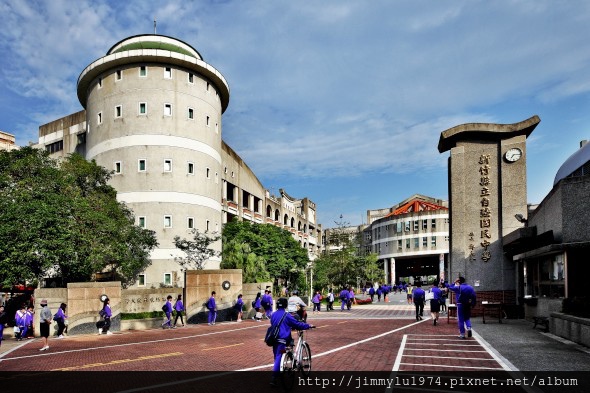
485,215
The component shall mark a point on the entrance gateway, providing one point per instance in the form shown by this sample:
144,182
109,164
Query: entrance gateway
487,198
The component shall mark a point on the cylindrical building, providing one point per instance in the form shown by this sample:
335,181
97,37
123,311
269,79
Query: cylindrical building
153,115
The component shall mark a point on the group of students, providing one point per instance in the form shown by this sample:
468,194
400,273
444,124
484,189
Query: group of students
382,290
177,310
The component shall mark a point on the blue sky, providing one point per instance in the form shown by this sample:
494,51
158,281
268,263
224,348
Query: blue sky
340,101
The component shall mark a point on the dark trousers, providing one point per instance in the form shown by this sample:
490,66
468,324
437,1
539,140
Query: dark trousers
419,309
178,315
60,326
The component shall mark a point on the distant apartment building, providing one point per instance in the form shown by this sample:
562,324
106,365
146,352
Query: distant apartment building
153,115
411,239
7,141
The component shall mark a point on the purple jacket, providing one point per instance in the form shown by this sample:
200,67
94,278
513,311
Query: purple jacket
178,306
60,314
168,307
107,310
316,298
211,304
288,323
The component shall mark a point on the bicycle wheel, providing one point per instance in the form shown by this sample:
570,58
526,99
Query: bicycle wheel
305,365
287,370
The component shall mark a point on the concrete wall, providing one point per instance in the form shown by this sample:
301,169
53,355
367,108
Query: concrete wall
571,328
543,307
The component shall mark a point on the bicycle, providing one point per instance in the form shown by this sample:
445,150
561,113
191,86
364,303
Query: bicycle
297,358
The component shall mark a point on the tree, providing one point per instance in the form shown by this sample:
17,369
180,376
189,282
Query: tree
283,257
63,220
197,251
238,255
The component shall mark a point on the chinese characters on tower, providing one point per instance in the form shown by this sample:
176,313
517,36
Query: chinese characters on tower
485,215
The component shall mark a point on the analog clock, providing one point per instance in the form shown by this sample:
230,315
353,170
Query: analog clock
513,155
226,285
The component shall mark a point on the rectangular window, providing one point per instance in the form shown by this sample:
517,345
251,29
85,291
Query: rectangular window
168,73
398,227
119,75
208,121
191,113
167,109
190,222
55,146
141,280
424,224
141,221
416,242
433,243
99,118
141,165
167,221
118,111
207,226
407,226
415,225
208,173
143,71
433,226
399,244
191,78
424,242
167,278
190,168
99,82
167,165
408,244
207,87
142,108
118,168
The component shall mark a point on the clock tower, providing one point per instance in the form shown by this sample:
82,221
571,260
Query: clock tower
487,192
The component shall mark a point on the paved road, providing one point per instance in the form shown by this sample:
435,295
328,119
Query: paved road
383,338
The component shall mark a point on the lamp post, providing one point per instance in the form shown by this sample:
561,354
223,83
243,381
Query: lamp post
310,283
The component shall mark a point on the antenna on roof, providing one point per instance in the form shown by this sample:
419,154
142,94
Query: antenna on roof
154,25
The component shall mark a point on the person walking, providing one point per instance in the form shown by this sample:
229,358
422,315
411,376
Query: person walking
316,302
106,314
44,324
179,308
466,300
60,318
330,306
257,305
435,302
444,296
266,303
239,307
286,322
20,322
343,298
29,323
167,308
409,290
419,295
379,293
212,307
372,294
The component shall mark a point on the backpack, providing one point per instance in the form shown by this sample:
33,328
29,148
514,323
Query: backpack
272,333
253,303
164,308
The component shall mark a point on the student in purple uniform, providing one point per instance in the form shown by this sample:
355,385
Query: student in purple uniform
419,298
316,302
29,322
60,318
344,298
20,319
256,305
179,308
287,322
466,300
266,302
106,313
212,307
167,308
239,307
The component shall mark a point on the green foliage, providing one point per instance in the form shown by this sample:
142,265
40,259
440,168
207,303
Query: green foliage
197,251
64,220
265,250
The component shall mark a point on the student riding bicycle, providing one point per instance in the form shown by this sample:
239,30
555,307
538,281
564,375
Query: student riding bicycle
287,322
296,306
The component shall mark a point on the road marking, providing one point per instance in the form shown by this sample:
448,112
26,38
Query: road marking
448,357
135,343
400,352
120,361
226,346
445,366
